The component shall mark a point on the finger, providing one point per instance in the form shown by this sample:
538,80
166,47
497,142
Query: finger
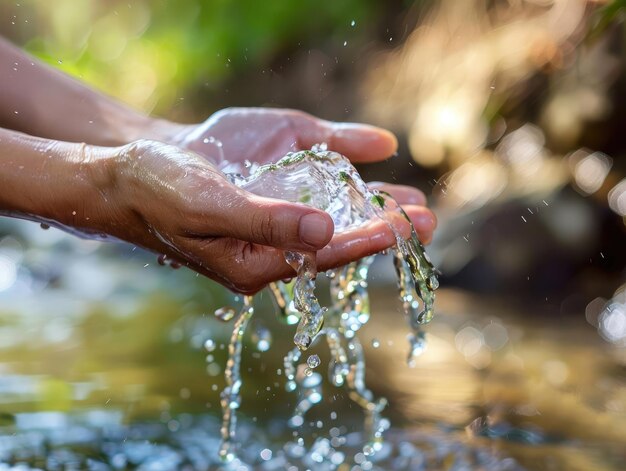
266,221
246,268
374,238
367,240
241,266
403,194
358,142
424,221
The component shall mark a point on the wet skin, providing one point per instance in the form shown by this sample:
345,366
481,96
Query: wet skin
157,184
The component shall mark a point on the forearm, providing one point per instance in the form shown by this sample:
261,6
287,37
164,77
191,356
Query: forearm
53,180
42,101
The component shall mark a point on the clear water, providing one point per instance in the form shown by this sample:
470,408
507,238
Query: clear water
103,365
327,180
98,441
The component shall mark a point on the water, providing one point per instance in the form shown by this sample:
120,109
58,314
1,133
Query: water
261,337
225,314
96,384
101,442
313,361
230,398
96,353
328,181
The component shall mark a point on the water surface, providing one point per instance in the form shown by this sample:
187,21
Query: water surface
103,364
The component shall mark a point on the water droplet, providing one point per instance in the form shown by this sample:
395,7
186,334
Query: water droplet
375,343
261,338
345,43
225,313
209,345
313,361
353,23
213,369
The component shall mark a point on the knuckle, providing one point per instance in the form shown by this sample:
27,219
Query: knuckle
263,229
223,113
297,114
297,119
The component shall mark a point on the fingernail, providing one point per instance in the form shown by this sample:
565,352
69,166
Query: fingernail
313,230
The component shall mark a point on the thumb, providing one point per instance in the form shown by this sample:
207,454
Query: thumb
280,224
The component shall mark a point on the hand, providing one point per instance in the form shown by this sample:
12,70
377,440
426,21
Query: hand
263,135
175,202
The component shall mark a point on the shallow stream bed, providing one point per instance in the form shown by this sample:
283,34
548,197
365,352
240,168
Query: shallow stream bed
103,366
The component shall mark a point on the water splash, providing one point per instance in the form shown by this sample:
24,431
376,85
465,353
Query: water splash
282,293
311,313
230,397
328,181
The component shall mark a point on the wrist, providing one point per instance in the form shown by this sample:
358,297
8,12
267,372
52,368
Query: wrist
154,129
53,180
84,195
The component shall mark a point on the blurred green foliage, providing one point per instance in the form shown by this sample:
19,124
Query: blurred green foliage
613,11
149,53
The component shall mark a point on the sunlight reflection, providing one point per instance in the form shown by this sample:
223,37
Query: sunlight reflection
462,61
609,317
590,170
617,198
8,272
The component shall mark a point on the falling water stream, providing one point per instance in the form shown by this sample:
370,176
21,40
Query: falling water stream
326,180
88,384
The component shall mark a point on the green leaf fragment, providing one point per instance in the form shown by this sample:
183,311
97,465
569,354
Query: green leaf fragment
378,200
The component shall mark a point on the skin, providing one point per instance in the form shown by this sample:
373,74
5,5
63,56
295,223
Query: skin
101,169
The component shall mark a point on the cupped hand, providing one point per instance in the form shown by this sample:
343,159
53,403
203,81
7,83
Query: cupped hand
176,203
265,135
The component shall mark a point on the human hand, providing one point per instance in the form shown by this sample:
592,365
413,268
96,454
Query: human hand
265,135
176,203
234,136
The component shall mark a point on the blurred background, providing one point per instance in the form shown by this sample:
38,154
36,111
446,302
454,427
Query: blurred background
509,117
